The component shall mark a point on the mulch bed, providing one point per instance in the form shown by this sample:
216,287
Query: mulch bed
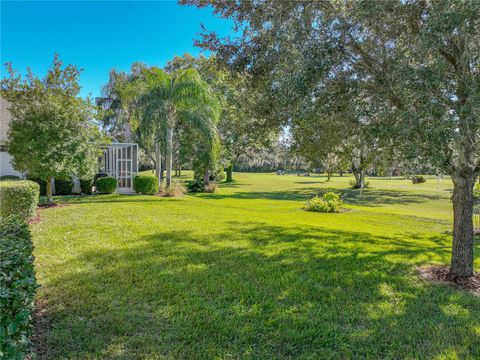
440,274
36,219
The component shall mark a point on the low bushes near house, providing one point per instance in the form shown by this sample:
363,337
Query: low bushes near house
9,177
63,186
418,179
86,186
18,286
106,185
328,203
147,185
18,198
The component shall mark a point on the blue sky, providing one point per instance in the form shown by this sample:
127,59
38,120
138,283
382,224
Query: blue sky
98,36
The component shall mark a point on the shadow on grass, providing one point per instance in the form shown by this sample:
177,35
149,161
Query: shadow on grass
369,197
259,291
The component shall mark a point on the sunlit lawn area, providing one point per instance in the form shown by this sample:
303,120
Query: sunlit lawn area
246,273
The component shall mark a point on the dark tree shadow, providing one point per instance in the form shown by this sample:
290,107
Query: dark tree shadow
370,197
263,292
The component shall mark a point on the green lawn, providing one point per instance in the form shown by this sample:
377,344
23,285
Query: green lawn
246,274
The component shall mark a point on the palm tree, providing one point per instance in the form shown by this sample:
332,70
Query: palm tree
179,97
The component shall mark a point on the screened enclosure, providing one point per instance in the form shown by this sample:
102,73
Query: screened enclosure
120,160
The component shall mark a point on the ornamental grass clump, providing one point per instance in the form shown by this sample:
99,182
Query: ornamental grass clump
328,203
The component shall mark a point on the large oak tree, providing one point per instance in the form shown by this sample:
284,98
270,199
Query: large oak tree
417,61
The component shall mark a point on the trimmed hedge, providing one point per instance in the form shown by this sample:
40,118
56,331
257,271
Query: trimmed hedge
41,183
147,185
86,186
106,185
63,187
18,286
18,198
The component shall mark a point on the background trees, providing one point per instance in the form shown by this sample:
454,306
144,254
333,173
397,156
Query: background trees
158,108
52,131
418,63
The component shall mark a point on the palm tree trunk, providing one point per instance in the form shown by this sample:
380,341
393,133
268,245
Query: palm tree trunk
158,164
49,190
169,156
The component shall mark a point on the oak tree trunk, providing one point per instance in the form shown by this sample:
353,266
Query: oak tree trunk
359,174
462,247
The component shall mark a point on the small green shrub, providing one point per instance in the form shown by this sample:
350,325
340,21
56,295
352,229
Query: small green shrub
86,186
329,203
18,198
18,286
98,176
198,186
418,179
9,177
147,185
476,191
63,187
106,185
195,186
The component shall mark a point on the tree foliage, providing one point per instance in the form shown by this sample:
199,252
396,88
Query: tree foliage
52,130
416,65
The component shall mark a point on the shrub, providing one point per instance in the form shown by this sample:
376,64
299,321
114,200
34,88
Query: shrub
41,183
9,177
147,185
98,176
476,191
18,286
418,179
106,185
86,186
63,187
18,198
329,203
175,190
195,186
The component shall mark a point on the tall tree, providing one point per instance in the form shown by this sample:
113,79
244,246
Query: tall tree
52,130
181,97
235,126
418,61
